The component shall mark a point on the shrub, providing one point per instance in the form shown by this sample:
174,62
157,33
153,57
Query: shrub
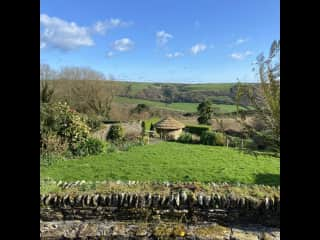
115,133
52,143
143,126
220,139
141,107
185,138
66,123
94,123
91,146
197,129
207,138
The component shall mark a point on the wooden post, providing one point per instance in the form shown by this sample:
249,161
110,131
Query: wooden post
227,142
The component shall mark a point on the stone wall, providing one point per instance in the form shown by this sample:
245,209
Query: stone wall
177,206
142,231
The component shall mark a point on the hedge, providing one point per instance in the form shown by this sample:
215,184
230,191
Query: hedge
197,129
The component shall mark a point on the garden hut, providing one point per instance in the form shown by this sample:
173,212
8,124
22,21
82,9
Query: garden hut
169,128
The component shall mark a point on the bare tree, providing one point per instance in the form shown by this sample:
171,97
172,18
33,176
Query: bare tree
80,73
94,96
46,73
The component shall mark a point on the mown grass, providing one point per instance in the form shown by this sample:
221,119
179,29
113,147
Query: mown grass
169,161
177,106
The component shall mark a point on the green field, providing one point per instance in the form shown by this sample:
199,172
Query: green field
177,106
169,161
210,86
135,86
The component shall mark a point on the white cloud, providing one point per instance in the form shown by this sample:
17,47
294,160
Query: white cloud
241,56
174,55
63,35
241,40
110,54
122,45
238,42
102,26
42,44
198,48
163,37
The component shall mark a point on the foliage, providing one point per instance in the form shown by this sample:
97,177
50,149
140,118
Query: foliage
205,111
169,161
141,107
266,98
66,123
262,140
169,93
115,133
208,138
94,122
197,129
46,92
91,146
52,143
143,126
185,138
220,139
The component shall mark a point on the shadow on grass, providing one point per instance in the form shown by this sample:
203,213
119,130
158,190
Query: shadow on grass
268,179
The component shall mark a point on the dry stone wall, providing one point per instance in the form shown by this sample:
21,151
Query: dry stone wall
142,231
192,208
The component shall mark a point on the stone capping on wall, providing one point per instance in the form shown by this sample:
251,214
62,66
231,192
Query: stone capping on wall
64,184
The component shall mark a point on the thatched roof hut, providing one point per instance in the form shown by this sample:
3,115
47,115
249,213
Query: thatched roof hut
169,128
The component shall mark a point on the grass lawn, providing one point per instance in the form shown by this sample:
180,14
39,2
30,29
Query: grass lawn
177,106
169,161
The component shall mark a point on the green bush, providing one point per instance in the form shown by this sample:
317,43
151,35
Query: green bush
115,133
208,138
91,146
67,124
220,139
185,138
197,129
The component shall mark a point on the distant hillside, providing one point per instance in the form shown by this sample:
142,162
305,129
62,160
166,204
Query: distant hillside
181,98
219,93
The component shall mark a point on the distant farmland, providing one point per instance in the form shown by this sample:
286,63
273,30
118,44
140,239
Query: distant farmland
177,106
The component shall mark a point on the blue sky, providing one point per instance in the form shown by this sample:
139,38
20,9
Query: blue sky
159,41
